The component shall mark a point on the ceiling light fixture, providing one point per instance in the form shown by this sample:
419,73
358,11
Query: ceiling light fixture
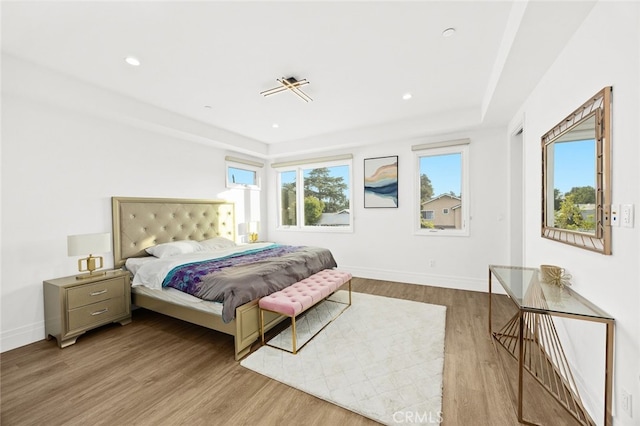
407,96
291,84
132,60
448,32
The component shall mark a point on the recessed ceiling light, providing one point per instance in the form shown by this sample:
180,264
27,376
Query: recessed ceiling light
132,60
448,32
275,125
407,96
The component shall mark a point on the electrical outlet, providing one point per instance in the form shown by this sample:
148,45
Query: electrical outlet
626,402
432,263
626,215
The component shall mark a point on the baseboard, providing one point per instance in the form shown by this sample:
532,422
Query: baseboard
446,281
21,336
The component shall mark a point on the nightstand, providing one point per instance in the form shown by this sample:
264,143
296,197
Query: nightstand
73,306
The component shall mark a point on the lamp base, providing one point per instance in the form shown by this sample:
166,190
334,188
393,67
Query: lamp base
91,267
91,275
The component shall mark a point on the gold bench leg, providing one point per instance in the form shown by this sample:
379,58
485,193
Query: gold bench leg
262,325
293,336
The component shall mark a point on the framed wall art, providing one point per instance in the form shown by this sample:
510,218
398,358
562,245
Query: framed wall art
381,182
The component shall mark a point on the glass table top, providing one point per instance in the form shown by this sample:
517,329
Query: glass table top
528,291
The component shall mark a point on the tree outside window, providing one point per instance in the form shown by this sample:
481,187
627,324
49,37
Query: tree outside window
324,192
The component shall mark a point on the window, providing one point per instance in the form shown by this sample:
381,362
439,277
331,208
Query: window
288,198
442,182
243,173
315,196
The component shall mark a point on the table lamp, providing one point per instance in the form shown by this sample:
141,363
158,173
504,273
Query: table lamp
79,245
253,231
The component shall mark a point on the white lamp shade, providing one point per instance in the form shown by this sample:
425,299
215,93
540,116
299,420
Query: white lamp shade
82,245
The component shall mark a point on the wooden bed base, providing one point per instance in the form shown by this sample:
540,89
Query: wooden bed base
245,328
142,222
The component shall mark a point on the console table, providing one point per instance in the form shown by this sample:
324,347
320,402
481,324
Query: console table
531,338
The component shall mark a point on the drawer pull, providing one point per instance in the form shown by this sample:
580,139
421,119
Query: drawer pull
97,293
100,312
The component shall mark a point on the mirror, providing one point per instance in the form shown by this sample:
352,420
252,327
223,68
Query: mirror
576,176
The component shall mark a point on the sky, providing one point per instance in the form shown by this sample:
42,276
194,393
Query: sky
444,172
574,164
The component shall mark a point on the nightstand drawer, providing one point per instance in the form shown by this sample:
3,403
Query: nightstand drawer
88,294
100,312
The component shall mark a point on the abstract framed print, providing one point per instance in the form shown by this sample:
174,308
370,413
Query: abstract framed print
381,182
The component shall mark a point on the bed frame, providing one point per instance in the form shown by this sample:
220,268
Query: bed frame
139,223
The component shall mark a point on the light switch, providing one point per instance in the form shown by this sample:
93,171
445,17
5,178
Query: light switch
615,214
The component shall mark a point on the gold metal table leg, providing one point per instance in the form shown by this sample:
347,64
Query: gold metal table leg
520,362
608,376
489,302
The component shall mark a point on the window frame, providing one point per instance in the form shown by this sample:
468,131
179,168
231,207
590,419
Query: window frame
242,166
456,147
299,169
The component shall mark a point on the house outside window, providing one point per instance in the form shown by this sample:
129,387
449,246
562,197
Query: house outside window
442,182
315,196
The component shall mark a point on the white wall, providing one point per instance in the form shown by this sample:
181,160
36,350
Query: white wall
61,164
604,51
383,244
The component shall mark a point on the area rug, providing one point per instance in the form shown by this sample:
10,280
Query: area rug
382,358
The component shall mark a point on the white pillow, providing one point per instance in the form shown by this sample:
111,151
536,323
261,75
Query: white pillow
174,248
216,243
134,263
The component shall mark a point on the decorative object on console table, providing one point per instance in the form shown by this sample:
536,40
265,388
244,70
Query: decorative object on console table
80,245
554,275
381,182
73,307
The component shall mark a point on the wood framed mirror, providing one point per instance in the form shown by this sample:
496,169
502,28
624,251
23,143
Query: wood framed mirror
576,177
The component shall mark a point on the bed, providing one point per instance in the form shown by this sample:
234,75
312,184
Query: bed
141,223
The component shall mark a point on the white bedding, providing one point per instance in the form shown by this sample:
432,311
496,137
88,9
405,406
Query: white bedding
151,273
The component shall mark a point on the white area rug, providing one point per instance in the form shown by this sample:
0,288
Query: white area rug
382,358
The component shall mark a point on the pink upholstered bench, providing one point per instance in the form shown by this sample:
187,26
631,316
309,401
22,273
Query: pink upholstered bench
297,298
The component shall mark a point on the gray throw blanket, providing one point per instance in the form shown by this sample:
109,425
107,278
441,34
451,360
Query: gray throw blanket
238,279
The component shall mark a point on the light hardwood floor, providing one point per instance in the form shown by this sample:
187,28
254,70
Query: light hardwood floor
162,371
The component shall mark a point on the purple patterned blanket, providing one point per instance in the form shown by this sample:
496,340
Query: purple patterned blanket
237,279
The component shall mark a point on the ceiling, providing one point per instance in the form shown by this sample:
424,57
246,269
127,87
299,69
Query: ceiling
209,60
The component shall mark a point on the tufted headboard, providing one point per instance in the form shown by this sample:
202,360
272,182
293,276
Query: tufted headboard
139,223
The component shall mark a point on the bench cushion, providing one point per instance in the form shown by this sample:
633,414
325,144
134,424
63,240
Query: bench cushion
304,294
